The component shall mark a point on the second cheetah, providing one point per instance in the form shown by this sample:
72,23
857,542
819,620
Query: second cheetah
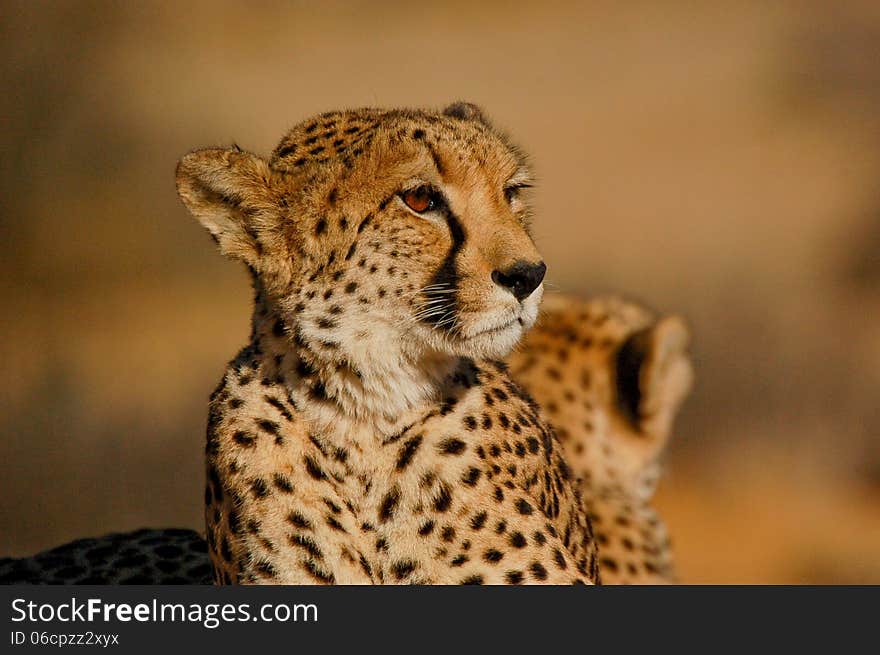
610,377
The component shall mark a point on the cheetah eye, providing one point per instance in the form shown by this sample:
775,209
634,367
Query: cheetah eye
512,192
422,199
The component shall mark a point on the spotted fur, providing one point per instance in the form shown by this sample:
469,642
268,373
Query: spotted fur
170,556
610,377
368,434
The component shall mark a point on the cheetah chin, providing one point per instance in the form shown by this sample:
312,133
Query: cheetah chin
493,337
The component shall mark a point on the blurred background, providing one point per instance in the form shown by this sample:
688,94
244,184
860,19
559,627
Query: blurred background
715,159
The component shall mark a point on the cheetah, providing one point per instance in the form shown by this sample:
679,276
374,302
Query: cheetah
369,433
610,378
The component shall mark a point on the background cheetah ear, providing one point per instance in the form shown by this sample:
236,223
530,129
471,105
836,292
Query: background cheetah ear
654,375
227,190
466,111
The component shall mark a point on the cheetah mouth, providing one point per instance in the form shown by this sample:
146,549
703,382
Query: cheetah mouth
503,327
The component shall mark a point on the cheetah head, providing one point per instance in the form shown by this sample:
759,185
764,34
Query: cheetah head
374,232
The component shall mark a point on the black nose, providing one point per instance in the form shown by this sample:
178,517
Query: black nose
521,279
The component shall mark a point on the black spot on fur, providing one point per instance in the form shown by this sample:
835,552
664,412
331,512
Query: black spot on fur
523,507
444,499
493,556
513,577
408,451
306,543
299,520
319,574
479,520
317,443
559,559
538,571
313,468
260,488
471,476
389,504
277,404
403,568
334,524
244,439
452,446
608,564
365,566
285,150
500,394
268,426
282,483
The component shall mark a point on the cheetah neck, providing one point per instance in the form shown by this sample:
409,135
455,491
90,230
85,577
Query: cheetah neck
337,395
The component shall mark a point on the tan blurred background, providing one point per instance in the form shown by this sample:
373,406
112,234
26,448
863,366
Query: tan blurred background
717,159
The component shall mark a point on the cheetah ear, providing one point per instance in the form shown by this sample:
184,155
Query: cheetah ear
466,111
227,190
654,375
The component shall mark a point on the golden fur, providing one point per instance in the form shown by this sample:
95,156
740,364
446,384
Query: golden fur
610,377
366,434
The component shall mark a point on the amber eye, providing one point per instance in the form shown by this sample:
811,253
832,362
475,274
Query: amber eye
420,199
